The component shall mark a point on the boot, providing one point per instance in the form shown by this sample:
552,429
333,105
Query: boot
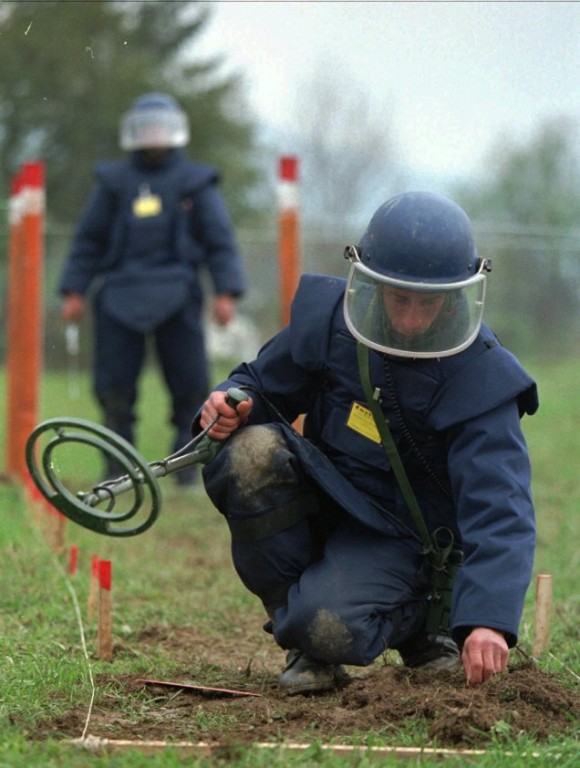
305,674
427,651
118,416
187,477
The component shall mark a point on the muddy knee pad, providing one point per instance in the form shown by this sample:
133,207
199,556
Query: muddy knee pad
257,483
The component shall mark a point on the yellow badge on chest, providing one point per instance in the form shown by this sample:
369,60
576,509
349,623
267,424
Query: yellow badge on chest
147,204
361,420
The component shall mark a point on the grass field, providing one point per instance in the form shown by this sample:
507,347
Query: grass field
178,577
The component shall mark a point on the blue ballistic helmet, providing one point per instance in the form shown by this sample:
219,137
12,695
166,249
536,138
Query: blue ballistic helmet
417,256
154,121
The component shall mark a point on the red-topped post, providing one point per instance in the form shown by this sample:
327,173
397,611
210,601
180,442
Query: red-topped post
25,326
289,234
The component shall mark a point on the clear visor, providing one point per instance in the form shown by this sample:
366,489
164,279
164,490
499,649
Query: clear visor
413,319
154,128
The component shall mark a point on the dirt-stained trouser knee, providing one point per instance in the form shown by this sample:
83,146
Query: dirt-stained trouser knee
269,503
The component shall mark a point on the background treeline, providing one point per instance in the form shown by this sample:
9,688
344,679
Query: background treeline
69,70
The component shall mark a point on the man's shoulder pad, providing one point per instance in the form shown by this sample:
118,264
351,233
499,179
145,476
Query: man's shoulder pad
112,174
318,294
198,175
483,377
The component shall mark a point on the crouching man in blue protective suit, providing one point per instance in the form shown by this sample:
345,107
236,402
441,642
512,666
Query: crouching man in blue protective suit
412,467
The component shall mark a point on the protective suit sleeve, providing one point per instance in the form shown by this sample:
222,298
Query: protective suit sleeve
91,240
489,470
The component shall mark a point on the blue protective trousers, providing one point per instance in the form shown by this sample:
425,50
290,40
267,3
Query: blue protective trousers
118,362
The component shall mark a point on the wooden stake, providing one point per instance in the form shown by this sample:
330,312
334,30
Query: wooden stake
543,613
105,619
73,559
59,526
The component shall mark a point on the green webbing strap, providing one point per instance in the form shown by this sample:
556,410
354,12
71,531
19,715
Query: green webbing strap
437,555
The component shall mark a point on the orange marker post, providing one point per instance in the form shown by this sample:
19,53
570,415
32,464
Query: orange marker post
26,252
105,617
15,246
289,240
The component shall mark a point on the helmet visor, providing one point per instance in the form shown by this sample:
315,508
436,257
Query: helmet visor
154,128
413,319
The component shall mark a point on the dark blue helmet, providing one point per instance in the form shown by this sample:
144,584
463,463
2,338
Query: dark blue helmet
155,120
420,237
418,251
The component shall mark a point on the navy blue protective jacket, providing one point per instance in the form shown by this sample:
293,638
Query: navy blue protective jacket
471,471
145,233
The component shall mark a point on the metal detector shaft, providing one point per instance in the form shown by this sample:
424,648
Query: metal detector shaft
205,452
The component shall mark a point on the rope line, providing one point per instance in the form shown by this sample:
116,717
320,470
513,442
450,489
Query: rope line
76,606
79,617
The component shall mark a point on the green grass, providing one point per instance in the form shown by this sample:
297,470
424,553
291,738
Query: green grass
44,672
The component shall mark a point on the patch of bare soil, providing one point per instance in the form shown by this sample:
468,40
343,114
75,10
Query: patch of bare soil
382,698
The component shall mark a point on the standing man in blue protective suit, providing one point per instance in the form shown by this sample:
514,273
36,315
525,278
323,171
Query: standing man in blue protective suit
324,528
153,222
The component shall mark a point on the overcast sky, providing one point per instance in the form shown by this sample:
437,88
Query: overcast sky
449,77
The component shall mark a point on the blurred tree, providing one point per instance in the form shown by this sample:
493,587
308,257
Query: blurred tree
69,71
535,184
530,202
347,153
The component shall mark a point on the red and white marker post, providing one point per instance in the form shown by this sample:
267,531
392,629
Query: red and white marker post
25,321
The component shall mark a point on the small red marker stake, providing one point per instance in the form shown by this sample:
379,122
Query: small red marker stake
73,559
93,587
105,619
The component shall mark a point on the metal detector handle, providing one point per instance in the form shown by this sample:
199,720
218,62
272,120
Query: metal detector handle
205,450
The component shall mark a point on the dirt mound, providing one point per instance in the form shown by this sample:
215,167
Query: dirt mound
381,699
524,700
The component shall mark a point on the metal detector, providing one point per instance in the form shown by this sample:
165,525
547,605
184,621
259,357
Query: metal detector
97,509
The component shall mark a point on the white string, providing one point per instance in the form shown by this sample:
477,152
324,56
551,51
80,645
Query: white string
77,609
79,618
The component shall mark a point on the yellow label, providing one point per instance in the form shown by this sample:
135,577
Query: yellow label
361,420
147,205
